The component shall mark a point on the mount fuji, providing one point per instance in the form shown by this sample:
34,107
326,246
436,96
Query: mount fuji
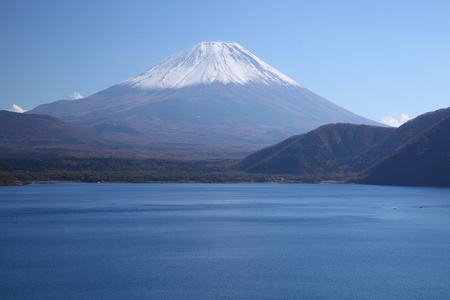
215,99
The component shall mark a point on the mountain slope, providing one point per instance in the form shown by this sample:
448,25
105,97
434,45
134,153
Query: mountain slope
324,150
417,153
40,134
398,138
214,98
423,161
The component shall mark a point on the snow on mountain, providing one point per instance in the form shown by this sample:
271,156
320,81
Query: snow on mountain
209,62
215,99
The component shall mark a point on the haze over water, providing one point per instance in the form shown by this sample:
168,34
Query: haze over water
210,241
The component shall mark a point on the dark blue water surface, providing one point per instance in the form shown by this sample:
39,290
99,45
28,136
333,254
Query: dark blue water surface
215,241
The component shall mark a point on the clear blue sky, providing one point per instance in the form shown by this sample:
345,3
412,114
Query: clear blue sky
374,58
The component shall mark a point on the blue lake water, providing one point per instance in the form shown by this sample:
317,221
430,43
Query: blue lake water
224,241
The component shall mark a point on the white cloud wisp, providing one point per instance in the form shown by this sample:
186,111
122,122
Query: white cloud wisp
76,95
395,120
17,109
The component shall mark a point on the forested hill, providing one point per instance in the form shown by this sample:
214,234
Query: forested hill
398,138
324,150
40,134
423,161
420,146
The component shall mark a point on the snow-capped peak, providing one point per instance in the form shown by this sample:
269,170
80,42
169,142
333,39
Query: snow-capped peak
206,63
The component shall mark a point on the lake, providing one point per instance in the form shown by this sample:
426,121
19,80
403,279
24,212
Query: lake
224,241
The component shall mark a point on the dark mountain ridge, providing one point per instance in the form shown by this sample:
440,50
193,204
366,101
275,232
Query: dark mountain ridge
323,150
423,161
420,144
28,134
398,138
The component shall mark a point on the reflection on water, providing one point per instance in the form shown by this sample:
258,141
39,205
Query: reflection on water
208,241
